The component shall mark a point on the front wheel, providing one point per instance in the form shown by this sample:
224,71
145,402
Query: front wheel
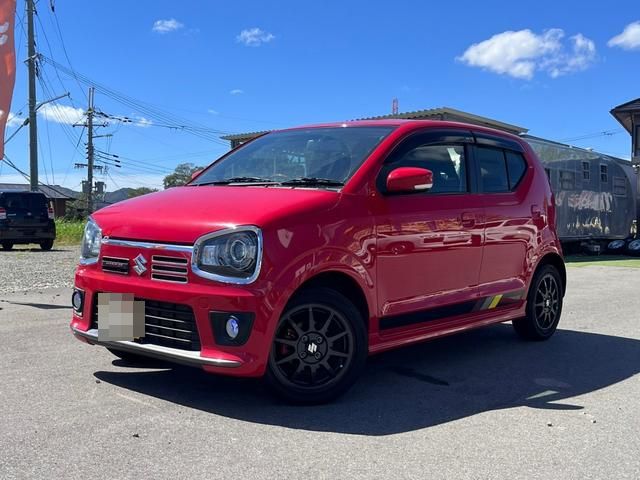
319,348
46,245
7,245
544,306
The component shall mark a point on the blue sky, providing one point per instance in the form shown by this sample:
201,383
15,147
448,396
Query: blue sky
556,68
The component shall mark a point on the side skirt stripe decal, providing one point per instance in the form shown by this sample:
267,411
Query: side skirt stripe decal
440,313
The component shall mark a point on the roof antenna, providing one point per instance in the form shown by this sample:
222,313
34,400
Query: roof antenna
394,107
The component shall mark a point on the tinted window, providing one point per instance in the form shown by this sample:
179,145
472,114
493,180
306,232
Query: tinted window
23,202
586,171
516,166
493,170
447,162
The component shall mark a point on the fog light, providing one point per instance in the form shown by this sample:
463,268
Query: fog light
233,327
77,300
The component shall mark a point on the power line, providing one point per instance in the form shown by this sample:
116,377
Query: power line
586,136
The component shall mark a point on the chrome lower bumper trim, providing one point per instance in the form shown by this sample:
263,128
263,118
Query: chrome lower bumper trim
156,351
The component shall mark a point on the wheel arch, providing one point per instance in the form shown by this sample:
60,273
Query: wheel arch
556,261
341,283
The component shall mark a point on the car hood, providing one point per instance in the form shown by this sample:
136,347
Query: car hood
182,214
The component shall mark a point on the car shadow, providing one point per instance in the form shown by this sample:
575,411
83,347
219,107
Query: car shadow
419,386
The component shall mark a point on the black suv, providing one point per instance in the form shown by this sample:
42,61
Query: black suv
25,217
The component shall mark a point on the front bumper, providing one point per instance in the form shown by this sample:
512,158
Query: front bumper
184,357
203,297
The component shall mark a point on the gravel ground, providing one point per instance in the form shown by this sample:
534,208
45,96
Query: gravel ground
27,269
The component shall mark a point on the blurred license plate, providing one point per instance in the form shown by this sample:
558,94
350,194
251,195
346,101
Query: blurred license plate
120,317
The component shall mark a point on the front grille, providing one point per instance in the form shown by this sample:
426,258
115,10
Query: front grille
169,269
167,324
115,265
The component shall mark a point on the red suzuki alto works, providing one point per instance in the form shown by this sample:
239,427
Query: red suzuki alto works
298,254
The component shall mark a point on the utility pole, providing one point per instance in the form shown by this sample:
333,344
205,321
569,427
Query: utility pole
90,125
33,131
90,152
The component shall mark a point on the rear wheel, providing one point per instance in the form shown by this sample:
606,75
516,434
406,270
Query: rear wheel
544,305
46,244
319,348
7,245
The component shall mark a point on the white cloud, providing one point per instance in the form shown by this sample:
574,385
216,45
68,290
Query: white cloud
61,113
142,122
254,37
520,54
13,120
213,112
629,39
236,91
166,26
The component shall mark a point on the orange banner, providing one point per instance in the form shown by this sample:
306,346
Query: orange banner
7,63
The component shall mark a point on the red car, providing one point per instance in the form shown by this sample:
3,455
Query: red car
299,253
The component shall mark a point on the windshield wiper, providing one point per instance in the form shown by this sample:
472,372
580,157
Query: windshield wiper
228,181
308,181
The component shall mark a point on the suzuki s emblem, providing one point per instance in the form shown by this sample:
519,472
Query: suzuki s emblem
139,264
312,348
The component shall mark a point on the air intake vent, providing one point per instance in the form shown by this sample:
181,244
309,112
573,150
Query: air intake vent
169,269
115,265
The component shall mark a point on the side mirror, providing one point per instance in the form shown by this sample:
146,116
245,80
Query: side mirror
196,173
409,179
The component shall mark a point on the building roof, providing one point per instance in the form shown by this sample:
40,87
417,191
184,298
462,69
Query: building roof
442,113
624,113
50,191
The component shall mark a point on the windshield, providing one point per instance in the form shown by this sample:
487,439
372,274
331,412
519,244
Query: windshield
314,156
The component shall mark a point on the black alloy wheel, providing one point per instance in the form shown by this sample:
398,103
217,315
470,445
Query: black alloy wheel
547,302
319,348
544,305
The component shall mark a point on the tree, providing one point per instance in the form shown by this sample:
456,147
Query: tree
136,192
181,175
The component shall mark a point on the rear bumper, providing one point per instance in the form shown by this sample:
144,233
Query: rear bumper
27,234
156,351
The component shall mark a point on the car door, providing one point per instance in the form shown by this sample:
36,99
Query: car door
504,178
429,244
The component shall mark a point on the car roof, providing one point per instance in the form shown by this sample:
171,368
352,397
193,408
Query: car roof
409,124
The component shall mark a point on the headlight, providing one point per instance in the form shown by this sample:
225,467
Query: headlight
232,256
91,240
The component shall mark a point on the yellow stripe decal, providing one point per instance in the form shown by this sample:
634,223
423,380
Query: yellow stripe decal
495,301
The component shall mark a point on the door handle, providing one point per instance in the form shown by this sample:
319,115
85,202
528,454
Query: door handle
468,219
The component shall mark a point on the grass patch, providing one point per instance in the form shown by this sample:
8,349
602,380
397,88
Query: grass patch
69,232
602,260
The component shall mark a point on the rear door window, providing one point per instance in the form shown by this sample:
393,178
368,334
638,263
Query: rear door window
23,202
516,168
493,170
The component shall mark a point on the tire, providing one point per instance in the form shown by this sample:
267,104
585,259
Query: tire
46,245
633,248
7,246
129,357
319,348
544,306
616,247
